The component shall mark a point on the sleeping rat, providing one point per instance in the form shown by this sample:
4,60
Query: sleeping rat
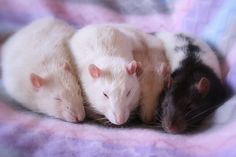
148,51
37,70
108,72
195,87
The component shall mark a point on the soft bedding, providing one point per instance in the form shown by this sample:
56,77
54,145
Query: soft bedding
23,133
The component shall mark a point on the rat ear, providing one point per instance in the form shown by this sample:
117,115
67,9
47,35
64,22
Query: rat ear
67,67
134,67
203,86
36,80
94,71
164,70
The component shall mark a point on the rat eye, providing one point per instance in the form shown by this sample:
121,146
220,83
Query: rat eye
105,95
128,93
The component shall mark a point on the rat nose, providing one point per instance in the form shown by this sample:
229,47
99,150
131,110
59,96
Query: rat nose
120,120
80,118
172,129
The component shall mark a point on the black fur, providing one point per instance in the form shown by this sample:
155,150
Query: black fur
182,36
188,47
183,106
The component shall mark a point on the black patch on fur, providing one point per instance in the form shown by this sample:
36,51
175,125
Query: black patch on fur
182,36
189,48
182,103
184,98
180,49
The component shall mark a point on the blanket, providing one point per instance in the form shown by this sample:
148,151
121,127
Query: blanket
24,133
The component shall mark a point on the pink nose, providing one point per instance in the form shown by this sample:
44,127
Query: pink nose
120,120
172,129
79,118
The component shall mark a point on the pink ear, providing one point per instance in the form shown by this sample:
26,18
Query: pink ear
134,67
203,86
67,67
164,70
36,80
95,72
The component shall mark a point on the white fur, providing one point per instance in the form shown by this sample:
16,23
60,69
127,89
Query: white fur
209,58
149,52
41,48
110,50
170,41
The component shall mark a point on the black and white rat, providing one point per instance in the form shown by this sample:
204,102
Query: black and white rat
195,86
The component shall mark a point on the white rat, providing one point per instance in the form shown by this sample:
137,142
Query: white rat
155,75
38,70
148,50
109,74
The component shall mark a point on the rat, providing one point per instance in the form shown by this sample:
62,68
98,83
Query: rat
195,89
108,72
148,51
38,70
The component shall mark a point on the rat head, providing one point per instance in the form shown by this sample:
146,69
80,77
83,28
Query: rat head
115,89
186,102
59,92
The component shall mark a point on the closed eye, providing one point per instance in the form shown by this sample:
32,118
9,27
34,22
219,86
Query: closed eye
106,95
128,93
58,99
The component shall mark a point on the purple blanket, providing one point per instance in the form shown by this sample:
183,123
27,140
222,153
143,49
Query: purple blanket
23,133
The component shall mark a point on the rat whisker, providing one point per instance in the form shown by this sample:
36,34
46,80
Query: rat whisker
103,118
201,113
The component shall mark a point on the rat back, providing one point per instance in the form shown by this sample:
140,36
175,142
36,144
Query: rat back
175,54
41,48
96,41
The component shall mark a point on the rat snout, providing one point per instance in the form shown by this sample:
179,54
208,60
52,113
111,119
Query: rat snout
171,129
80,117
118,118
73,114
80,114
174,125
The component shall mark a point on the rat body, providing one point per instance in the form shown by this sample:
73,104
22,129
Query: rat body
37,70
108,72
195,88
148,51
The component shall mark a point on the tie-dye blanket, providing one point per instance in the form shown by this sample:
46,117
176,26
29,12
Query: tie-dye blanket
23,133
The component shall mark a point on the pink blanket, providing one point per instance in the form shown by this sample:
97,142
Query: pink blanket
23,133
